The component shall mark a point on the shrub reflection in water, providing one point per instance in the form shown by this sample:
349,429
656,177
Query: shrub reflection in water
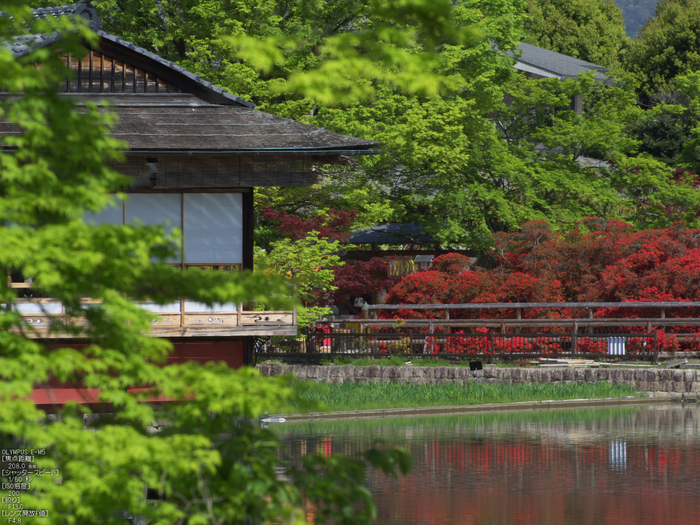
627,466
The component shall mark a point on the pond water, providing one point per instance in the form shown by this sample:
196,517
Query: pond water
626,466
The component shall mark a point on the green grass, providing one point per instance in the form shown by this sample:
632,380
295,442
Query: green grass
362,396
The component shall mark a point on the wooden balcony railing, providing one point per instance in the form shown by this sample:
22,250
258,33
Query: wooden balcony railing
178,319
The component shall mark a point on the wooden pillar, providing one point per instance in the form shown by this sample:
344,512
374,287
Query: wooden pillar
248,226
182,244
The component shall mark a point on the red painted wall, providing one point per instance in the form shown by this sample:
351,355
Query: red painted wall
55,394
230,352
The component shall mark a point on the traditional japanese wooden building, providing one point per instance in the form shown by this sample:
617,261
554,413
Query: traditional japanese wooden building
195,154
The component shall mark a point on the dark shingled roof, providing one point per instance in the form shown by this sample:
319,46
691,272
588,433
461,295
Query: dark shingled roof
20,46
183,122
201,118
535,58
391,233
178,75
84,9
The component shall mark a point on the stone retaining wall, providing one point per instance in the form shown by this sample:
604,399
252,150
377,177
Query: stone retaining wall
644,380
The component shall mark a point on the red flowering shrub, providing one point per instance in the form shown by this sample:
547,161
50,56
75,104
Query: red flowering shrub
667,342
588,345
469,343
427,287
433,287
599,260
512,345
639,344
451,263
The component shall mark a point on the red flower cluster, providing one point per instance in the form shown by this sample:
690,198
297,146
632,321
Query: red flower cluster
600,260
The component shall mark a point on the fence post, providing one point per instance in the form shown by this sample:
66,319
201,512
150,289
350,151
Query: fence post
491,344
432,339
656,347
518,316
447,314
311,339
574,342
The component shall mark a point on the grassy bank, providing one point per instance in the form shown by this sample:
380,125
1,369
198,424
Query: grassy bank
363,396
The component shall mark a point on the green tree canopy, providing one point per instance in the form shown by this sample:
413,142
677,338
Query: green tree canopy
592,30
668,45
276,41
446,162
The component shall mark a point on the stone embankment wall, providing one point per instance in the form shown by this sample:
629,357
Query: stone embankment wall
673,381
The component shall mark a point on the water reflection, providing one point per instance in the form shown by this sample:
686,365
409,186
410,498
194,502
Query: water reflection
631,466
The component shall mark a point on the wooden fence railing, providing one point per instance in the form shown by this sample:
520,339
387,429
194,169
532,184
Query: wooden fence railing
371,310
661,330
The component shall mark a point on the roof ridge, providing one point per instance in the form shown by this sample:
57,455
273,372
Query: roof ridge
24,45
84,9
177,68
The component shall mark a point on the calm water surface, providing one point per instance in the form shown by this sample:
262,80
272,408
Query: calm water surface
628,466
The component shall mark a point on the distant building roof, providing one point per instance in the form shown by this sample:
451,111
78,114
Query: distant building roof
543,62
392,233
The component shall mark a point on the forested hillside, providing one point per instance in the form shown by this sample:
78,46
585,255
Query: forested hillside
636,13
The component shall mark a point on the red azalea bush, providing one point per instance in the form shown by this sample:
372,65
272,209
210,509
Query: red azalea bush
599,260
426,287
434,287
451,263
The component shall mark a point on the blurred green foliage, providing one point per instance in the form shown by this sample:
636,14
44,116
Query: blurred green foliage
202,452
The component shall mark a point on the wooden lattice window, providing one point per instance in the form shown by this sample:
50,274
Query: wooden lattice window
100,73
